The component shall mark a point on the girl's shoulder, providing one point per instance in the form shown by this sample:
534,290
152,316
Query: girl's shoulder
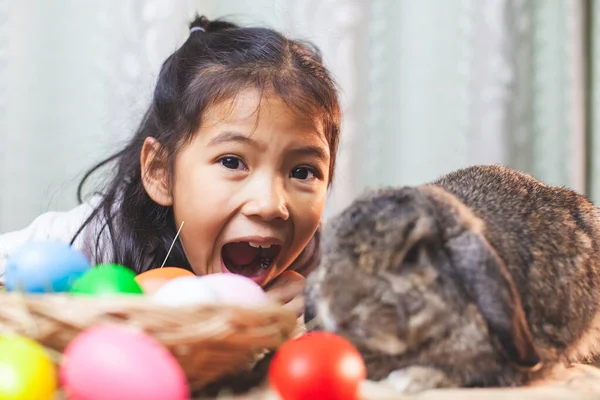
53,225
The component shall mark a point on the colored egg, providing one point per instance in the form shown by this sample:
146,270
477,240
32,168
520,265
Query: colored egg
152,279
107,279
318,365
44,266
163,273
120,363
150,286
185,290
236,289
26,371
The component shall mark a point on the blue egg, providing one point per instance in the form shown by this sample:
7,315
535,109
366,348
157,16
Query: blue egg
44,266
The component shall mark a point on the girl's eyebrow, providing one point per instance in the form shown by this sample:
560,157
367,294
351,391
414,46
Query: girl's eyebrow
230,136
314,151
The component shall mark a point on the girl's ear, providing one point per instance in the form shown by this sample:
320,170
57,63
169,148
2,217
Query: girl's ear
155,172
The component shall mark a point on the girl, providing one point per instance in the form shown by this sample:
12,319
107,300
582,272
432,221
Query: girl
237,151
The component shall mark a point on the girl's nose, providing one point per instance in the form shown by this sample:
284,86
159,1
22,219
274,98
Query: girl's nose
267,200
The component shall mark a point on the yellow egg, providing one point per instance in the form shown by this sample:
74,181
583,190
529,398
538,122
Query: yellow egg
26,371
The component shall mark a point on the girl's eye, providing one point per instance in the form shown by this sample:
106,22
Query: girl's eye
303,173
231,162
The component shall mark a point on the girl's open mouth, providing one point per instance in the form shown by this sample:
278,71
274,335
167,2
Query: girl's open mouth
249,259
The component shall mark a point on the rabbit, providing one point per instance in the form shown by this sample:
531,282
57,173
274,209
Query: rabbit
485,277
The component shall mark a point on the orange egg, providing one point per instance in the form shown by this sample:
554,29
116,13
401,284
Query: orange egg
151,279
151,285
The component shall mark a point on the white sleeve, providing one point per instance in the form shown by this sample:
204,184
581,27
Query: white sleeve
60,226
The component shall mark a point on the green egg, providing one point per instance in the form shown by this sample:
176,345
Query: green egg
107,279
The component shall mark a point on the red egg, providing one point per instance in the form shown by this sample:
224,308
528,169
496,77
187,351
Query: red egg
318,365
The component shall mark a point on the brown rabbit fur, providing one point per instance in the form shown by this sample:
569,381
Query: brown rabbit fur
486,277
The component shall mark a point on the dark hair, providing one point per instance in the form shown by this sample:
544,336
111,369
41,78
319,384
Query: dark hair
211,66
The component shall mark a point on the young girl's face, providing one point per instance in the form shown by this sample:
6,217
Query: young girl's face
250,187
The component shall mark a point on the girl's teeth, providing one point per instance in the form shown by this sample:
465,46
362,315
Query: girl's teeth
264,246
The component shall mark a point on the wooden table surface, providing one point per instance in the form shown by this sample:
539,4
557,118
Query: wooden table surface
581,382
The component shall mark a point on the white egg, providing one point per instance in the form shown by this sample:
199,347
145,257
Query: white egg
236,289
183,291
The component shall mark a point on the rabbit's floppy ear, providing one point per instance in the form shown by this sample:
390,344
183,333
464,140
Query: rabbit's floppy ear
488,282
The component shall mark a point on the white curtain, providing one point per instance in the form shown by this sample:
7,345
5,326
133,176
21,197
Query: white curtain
427,86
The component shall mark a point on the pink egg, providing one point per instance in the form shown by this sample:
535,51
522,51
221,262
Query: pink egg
236,289
120,363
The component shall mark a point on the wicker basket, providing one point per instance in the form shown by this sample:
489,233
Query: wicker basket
209,341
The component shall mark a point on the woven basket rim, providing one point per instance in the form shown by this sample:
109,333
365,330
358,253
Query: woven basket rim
209,341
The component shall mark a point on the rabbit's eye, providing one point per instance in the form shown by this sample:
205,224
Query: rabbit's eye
414,302
413,254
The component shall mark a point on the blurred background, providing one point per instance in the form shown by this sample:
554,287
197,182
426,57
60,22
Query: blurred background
428,86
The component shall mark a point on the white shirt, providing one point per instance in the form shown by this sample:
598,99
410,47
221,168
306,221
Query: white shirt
53,225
